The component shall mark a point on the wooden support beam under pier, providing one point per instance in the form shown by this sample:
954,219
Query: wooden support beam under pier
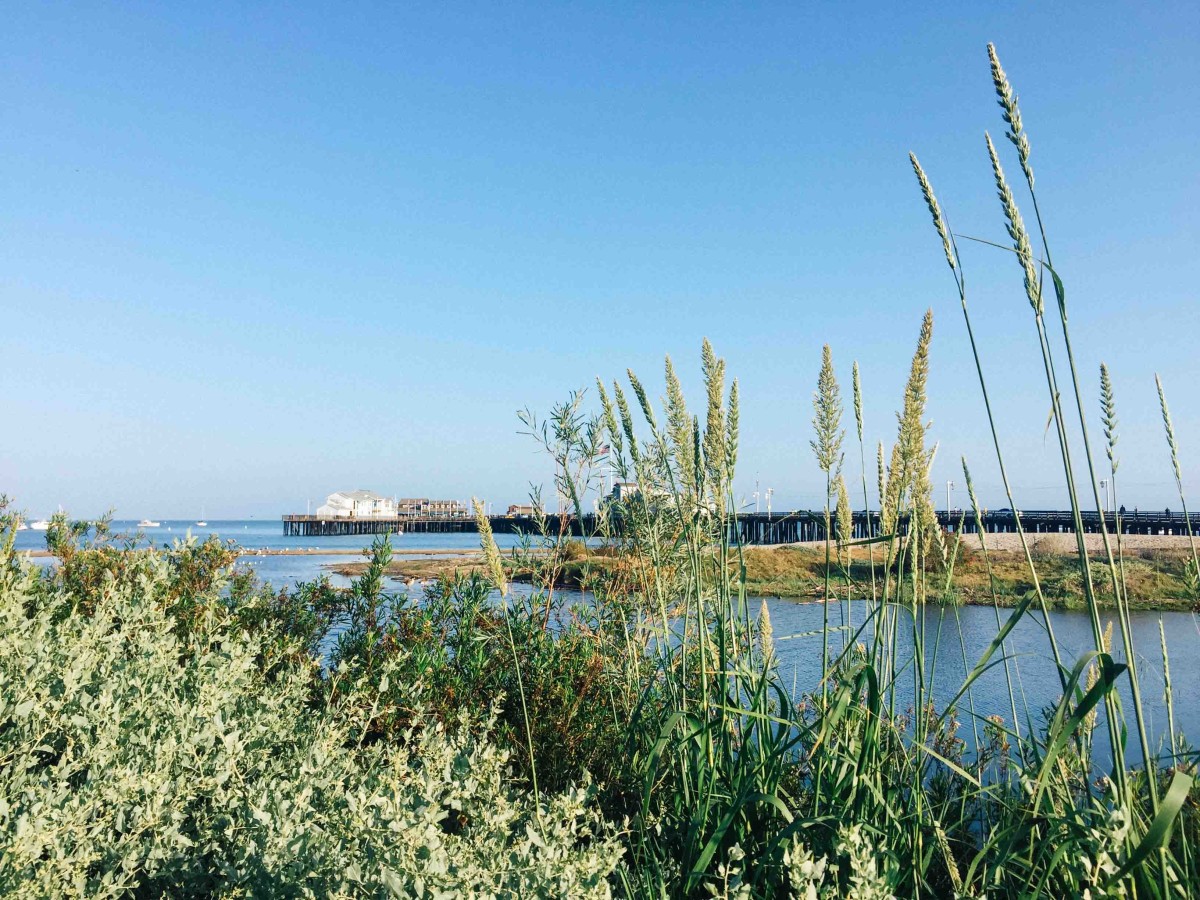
751,528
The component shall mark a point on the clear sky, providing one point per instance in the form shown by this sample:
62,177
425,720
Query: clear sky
251,254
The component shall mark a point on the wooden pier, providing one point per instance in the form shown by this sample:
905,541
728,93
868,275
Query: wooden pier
752,528
315,526
809,525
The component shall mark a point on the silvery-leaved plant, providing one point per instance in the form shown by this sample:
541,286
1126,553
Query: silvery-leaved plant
141,759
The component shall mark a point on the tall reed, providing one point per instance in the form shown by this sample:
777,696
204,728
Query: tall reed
1169,429
1030,265
1019,138
862,456
827,447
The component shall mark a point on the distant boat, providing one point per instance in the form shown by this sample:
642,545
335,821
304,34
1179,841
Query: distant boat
202,524
148,523
40,525
21,526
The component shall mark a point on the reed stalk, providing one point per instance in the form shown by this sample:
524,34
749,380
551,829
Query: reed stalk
492,554
953,259
827,447
1108,418
1169,428
1033,291
862,456
987,560
1018,137
845,536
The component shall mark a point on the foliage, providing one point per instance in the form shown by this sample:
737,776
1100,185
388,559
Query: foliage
139,759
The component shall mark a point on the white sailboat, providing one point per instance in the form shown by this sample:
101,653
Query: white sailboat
44,524
201,523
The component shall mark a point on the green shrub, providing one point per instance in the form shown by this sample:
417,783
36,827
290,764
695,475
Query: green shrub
141,759
449,651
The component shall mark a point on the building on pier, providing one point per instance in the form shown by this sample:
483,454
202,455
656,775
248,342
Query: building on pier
370,505
357,505
423,506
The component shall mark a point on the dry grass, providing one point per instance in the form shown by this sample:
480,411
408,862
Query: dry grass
1154,574
417,569
1154,570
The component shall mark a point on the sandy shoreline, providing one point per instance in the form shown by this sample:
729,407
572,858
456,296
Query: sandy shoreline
1054,542
1064,542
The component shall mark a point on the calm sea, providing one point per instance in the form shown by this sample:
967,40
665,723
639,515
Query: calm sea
268,534
950,635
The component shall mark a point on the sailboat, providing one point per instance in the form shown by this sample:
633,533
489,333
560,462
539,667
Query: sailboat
44,524
201,523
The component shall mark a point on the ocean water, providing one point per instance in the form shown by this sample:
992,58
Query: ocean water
949,635
268,534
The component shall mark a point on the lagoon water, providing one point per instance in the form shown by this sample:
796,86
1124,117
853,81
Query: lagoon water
950,635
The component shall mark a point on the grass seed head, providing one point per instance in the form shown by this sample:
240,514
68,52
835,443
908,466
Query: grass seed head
490,551
858,412
935,210
615,436
731,432
714,430
1012,113
845,521
882,472
911,435
1170,429
971,491
827,418
1017,231
1108,411
679,429
643,400
766,641
627,423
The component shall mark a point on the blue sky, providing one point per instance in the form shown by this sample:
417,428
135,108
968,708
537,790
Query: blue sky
252,254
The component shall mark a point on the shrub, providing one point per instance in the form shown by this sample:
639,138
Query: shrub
140,759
